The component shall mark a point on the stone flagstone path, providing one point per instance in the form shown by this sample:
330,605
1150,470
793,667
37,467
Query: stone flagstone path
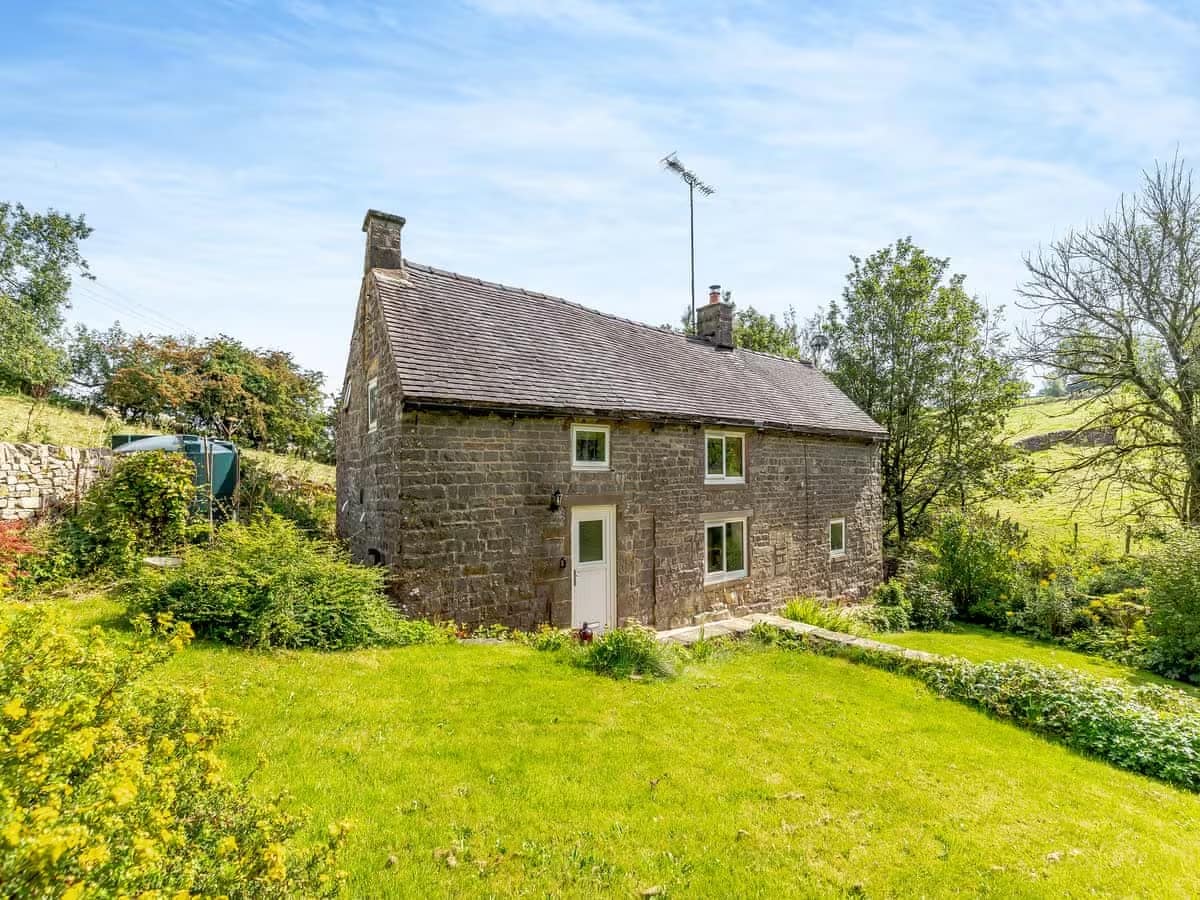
689,634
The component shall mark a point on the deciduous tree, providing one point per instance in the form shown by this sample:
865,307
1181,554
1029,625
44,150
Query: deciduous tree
925,359
1118,308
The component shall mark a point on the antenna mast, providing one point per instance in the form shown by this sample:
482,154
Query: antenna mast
692,180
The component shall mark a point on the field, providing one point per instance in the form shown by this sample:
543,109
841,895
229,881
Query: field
494,770
54,424
1064,501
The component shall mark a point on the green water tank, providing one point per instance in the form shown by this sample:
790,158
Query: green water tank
204,452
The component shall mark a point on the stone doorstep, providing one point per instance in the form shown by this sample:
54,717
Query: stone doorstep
689,634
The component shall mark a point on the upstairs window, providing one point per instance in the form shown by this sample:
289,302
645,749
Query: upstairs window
725,457
725,550
837,537
589,447
372,404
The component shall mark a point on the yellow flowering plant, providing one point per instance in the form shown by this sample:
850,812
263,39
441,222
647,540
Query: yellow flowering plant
110,784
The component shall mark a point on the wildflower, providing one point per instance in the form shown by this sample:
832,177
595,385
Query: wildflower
14,708
11,833
124,792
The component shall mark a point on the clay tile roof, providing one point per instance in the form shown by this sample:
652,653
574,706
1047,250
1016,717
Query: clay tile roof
462,341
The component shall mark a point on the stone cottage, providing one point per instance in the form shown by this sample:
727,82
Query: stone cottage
514,457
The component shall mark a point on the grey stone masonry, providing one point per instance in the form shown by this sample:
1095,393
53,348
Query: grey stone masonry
456,503
36,479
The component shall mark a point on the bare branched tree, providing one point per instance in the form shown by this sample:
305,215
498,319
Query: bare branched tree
1118,305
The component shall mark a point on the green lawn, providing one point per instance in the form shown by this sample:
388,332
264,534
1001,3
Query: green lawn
985,645
764,773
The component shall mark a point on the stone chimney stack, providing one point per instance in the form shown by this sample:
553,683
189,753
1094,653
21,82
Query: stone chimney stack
714,321
383,241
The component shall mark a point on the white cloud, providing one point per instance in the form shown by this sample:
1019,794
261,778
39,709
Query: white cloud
522,142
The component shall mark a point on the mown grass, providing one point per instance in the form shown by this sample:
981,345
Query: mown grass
55,424
978,644
763,773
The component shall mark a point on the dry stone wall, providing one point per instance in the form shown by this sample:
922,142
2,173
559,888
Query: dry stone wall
36,479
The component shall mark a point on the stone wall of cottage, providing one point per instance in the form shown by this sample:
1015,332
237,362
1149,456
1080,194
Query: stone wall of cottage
456,505
40,478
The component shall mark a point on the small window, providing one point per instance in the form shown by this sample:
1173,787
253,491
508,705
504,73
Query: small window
837,537
372,404
589,446
725,457
346,395
725,550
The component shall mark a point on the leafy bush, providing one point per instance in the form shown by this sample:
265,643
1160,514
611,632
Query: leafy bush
888,607
1174,620
267,585
633,650
931,606
110,784
312,506
14,549
546,638
813,612
141,507
1049,610
976,561
1114,576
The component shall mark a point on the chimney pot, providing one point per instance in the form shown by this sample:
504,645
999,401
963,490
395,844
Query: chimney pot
383,241
714,321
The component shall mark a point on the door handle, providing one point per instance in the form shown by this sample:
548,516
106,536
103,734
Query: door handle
574,576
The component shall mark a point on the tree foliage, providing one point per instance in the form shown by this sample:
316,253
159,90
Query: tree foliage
925,360
1118,309
39,255
216,386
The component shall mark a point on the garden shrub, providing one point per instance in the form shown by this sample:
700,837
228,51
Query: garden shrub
142,507
15,549
888,607
1174,620
265,584
823,615
110,784
976,561
633,650
546,638
1114,576
931,607
1049,610
312,506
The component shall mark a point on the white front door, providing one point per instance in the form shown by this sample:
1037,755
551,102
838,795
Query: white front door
593,566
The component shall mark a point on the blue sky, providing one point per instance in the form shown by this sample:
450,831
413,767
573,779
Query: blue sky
225,151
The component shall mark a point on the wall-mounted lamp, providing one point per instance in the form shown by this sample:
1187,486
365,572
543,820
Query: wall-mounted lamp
556,500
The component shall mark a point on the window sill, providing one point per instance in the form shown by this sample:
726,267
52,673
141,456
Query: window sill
837,554
580,467
724,578
718,481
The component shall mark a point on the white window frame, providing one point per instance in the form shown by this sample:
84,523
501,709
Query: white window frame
837,554
723,576
588,465
372,404
723,478
347,393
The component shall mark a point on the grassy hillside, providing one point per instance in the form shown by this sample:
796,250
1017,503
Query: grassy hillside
1065,501
770,772
47,423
